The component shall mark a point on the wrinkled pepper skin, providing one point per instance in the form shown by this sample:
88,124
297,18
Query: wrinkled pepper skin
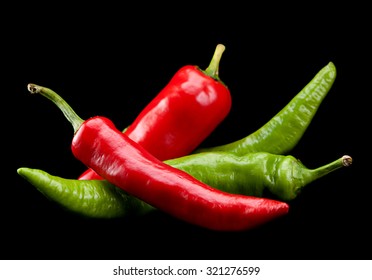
171,125
252,174
283,131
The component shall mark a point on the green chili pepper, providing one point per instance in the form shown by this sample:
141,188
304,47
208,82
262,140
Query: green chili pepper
89,198
284,176
282,132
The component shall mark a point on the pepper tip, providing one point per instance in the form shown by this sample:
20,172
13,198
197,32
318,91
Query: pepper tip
347,160
33,88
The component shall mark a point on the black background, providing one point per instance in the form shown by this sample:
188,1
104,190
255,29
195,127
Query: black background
103,62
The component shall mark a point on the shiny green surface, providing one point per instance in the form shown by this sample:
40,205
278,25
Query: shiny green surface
93,198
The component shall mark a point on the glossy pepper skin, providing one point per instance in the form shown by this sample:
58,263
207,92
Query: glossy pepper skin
88,198
283,176
114,156
171,125
283,131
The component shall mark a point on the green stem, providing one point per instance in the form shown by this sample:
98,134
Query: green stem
212,69
319,172
69,113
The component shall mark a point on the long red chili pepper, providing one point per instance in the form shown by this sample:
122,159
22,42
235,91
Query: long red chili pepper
183,114
113,155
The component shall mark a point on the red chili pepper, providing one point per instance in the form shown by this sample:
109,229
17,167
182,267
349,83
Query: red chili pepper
183,114
113,155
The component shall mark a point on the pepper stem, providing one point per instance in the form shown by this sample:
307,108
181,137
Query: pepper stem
69,113
319,172
212,69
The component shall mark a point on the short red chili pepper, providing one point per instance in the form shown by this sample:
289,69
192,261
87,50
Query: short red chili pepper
183,114
113,155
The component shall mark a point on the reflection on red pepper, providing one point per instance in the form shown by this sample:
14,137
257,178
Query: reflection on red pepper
114,156
183,114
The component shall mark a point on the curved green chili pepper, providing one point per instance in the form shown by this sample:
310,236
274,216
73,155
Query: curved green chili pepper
90,198
282,132
284,176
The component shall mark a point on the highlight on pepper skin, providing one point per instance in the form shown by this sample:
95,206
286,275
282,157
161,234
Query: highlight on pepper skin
169,126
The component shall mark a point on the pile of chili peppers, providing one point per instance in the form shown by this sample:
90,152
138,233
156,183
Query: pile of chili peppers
156,164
